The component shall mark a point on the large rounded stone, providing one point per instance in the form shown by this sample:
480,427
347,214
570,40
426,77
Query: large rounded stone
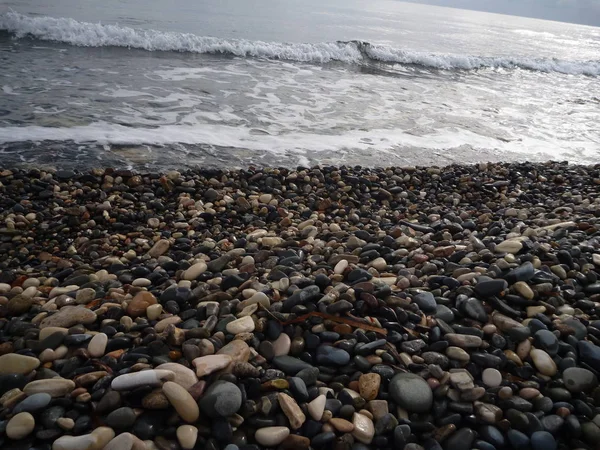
411,392
222,399
578,379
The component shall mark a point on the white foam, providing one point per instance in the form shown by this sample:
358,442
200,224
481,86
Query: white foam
384,141
98,35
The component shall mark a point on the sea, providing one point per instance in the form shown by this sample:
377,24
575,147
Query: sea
158,85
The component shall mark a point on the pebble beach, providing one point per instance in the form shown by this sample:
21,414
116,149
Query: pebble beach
342,308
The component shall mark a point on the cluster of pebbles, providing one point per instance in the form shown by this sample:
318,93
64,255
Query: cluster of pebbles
325,308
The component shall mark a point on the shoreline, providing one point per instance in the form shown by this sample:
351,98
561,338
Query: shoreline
349,308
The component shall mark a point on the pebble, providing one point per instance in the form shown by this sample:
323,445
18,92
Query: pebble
364,430
578,379
543,362
69,316
205,365
351,308
187,435
183,376
13,363
271,436
291,410
97,345
20,426
368,385
243,325
411,392
316,407
147,377
55,387
182,401
491,377
221,399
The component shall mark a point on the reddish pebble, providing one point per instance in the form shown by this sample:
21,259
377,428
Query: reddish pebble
433,383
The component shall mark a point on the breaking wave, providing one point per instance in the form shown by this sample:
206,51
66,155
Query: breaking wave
86,34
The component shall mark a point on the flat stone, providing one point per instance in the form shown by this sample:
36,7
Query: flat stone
578,379
182,401
509,246
411,392
35,402
20,426
461,379
463,340
13,363
187,435
291,410
364,430
48,331
69,316
342,425
491,377
243,325
205,365
237,349
487,288
85,296
121,418
425,301
332,356
290,365
56,387
97,345
458,354
184,376
271,436
131,381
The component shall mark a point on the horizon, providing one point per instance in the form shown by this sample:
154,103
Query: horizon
577,12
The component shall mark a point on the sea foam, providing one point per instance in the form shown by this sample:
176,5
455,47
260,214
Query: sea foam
86,34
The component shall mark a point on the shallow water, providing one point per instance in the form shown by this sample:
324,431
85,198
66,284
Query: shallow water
143,84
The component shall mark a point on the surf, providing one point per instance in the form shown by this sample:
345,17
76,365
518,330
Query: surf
86,34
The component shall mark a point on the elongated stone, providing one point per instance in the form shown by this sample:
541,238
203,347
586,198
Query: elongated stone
271,436
13,363
182,401
292,411
130,381
97,345
56,387
543,362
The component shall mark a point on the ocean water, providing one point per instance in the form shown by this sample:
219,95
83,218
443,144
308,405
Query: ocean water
152,84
